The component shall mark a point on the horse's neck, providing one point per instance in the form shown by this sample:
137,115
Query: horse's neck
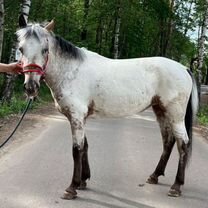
58,70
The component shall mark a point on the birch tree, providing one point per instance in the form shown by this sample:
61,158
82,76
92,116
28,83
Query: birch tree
203,37
1,25
117,29
202,40
9,79
188,17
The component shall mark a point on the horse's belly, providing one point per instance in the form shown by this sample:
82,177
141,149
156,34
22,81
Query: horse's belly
120,107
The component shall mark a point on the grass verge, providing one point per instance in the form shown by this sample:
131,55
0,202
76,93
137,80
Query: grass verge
18,102
203,116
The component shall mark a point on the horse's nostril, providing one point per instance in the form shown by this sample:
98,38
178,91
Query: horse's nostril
24,86
31,88
37,86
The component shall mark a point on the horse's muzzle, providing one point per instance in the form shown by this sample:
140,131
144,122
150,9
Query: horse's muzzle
31,88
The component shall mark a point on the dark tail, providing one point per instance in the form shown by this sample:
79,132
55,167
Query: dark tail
191,112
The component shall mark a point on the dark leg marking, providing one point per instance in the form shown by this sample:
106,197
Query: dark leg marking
167,137
180,176
76,179
85,166
160,169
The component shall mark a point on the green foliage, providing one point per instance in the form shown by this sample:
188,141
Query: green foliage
12,9
148,28
16,106
18,102
44,94
203,115
144,25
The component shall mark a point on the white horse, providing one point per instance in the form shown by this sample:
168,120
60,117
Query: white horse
84,83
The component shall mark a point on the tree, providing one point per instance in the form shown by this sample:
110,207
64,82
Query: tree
84,26
203,37
25,9
117,29
9,79
1,25
202,47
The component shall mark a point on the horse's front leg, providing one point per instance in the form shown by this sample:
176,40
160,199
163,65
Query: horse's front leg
85,166
78,136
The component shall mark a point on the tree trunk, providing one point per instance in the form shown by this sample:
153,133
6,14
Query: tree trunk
117,30
170,26
1,25
9,79
84,26
99,35
202,40
206,78
188,17
25,8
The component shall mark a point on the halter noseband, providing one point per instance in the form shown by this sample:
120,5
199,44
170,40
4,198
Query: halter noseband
36,68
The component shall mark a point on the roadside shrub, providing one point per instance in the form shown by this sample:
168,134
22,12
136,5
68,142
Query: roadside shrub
203,115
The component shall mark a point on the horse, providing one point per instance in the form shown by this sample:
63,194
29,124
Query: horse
84,83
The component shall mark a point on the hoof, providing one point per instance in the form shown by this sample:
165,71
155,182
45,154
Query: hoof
69,196
174,193
152,180
82,186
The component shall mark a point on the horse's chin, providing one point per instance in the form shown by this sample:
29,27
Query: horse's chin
32,96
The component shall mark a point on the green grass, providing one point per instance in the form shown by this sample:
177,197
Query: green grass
18,102
16,106
203,115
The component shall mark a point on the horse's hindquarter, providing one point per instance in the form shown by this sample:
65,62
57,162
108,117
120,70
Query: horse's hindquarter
175,84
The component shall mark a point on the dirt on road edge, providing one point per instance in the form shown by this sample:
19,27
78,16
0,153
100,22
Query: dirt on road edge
33,119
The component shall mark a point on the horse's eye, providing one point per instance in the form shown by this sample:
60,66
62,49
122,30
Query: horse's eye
45,50
21,49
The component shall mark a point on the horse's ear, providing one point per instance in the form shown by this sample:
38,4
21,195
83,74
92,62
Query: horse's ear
50,26
22,21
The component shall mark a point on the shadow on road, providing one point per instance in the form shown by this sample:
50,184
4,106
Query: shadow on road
111,196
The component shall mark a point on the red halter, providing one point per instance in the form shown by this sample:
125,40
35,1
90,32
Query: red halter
36,68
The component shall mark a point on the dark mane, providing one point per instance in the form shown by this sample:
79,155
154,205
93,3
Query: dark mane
61,45
67,48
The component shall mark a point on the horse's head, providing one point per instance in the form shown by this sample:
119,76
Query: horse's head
33,44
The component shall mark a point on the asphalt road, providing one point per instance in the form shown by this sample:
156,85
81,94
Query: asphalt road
122,154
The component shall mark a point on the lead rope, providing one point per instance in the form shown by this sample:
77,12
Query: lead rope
19,122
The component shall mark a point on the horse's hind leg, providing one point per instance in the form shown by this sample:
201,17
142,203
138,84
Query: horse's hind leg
168,142
183,148
85,166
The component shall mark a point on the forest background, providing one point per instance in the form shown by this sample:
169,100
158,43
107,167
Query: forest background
176,29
